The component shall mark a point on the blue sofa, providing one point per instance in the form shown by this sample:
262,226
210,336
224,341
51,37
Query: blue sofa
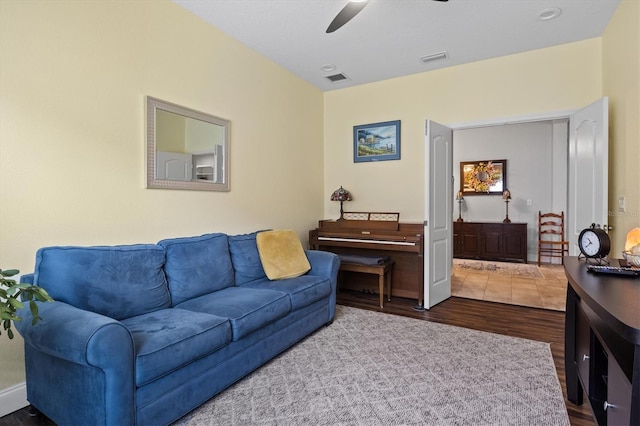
143,334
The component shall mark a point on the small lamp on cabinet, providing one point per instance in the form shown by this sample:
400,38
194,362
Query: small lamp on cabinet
459,199
506,196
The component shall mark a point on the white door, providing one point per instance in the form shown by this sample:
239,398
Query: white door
588,170
438,233
174,166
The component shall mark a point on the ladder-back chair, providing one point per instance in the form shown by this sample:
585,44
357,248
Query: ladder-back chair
551,239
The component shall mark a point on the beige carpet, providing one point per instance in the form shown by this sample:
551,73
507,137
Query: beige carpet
371,368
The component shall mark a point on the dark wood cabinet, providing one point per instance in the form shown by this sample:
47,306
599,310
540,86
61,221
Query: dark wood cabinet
602,343
490,241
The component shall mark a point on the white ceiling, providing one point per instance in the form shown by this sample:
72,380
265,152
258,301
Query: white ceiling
388,37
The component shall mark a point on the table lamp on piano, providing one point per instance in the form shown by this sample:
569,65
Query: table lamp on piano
341,195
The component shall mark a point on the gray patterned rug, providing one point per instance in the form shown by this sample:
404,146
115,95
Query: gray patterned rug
370,368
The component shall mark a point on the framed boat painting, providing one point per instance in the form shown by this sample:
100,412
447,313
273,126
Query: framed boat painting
376,142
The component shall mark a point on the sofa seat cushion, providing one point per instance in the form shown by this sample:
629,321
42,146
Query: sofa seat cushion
197,265
248,309
115,281
302,291
170,338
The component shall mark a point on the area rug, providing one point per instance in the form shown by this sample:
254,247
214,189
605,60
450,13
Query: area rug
371,368
503,268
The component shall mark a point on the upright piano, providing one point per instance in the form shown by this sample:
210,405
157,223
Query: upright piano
376,234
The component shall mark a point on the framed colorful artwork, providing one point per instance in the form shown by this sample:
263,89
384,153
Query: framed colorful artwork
488,177
376,142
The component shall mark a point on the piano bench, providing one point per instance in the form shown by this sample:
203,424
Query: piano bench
383,270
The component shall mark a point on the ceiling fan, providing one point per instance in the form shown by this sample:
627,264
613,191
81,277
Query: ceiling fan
348,12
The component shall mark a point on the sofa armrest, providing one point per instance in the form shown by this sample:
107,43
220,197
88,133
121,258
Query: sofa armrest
76,335
86,340
27,278
326,264
323,263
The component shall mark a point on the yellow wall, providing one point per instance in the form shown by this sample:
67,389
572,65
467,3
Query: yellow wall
74,75
170,132
73,81
554,79
621,83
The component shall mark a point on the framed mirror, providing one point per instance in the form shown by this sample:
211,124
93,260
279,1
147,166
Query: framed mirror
186,149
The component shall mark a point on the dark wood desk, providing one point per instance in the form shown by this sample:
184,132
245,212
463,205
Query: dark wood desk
602,343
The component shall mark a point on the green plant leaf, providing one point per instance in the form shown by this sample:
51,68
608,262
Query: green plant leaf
9,272
13,291
15,303
33,307
24,286
11,296
41,294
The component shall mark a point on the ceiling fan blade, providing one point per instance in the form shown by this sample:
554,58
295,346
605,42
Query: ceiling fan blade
346,14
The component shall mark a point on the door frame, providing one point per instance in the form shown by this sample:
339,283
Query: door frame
520,119
516,119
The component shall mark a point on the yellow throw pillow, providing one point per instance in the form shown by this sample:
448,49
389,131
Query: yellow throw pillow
281,254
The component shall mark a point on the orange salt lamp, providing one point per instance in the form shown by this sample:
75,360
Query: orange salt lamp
633,241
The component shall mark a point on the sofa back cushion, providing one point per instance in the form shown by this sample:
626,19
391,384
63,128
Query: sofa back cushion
116,281
246,259
197,265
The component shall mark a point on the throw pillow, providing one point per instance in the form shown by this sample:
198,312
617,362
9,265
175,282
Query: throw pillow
281,254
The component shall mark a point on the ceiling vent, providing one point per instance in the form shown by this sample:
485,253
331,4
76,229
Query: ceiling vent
337,77
434,57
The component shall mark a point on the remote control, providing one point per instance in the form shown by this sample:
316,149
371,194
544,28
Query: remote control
614,270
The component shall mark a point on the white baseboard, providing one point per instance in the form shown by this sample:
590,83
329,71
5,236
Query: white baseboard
13,398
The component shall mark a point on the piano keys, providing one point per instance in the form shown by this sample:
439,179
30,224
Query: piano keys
402,242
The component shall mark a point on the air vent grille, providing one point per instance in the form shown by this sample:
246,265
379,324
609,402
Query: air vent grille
434,57
337,77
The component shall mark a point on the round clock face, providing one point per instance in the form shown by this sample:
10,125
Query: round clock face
589,243
594,243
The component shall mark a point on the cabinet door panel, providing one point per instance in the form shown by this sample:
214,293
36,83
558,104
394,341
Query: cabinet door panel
457,240
619,395
470,244
583,346
492,245
515,242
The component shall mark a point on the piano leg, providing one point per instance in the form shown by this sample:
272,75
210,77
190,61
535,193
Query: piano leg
419,307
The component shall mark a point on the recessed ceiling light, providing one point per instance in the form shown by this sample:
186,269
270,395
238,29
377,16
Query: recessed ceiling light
328,68
549,13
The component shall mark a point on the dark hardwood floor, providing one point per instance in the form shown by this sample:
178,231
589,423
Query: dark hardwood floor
529,323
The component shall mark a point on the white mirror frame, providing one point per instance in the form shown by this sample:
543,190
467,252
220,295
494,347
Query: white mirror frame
153,105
